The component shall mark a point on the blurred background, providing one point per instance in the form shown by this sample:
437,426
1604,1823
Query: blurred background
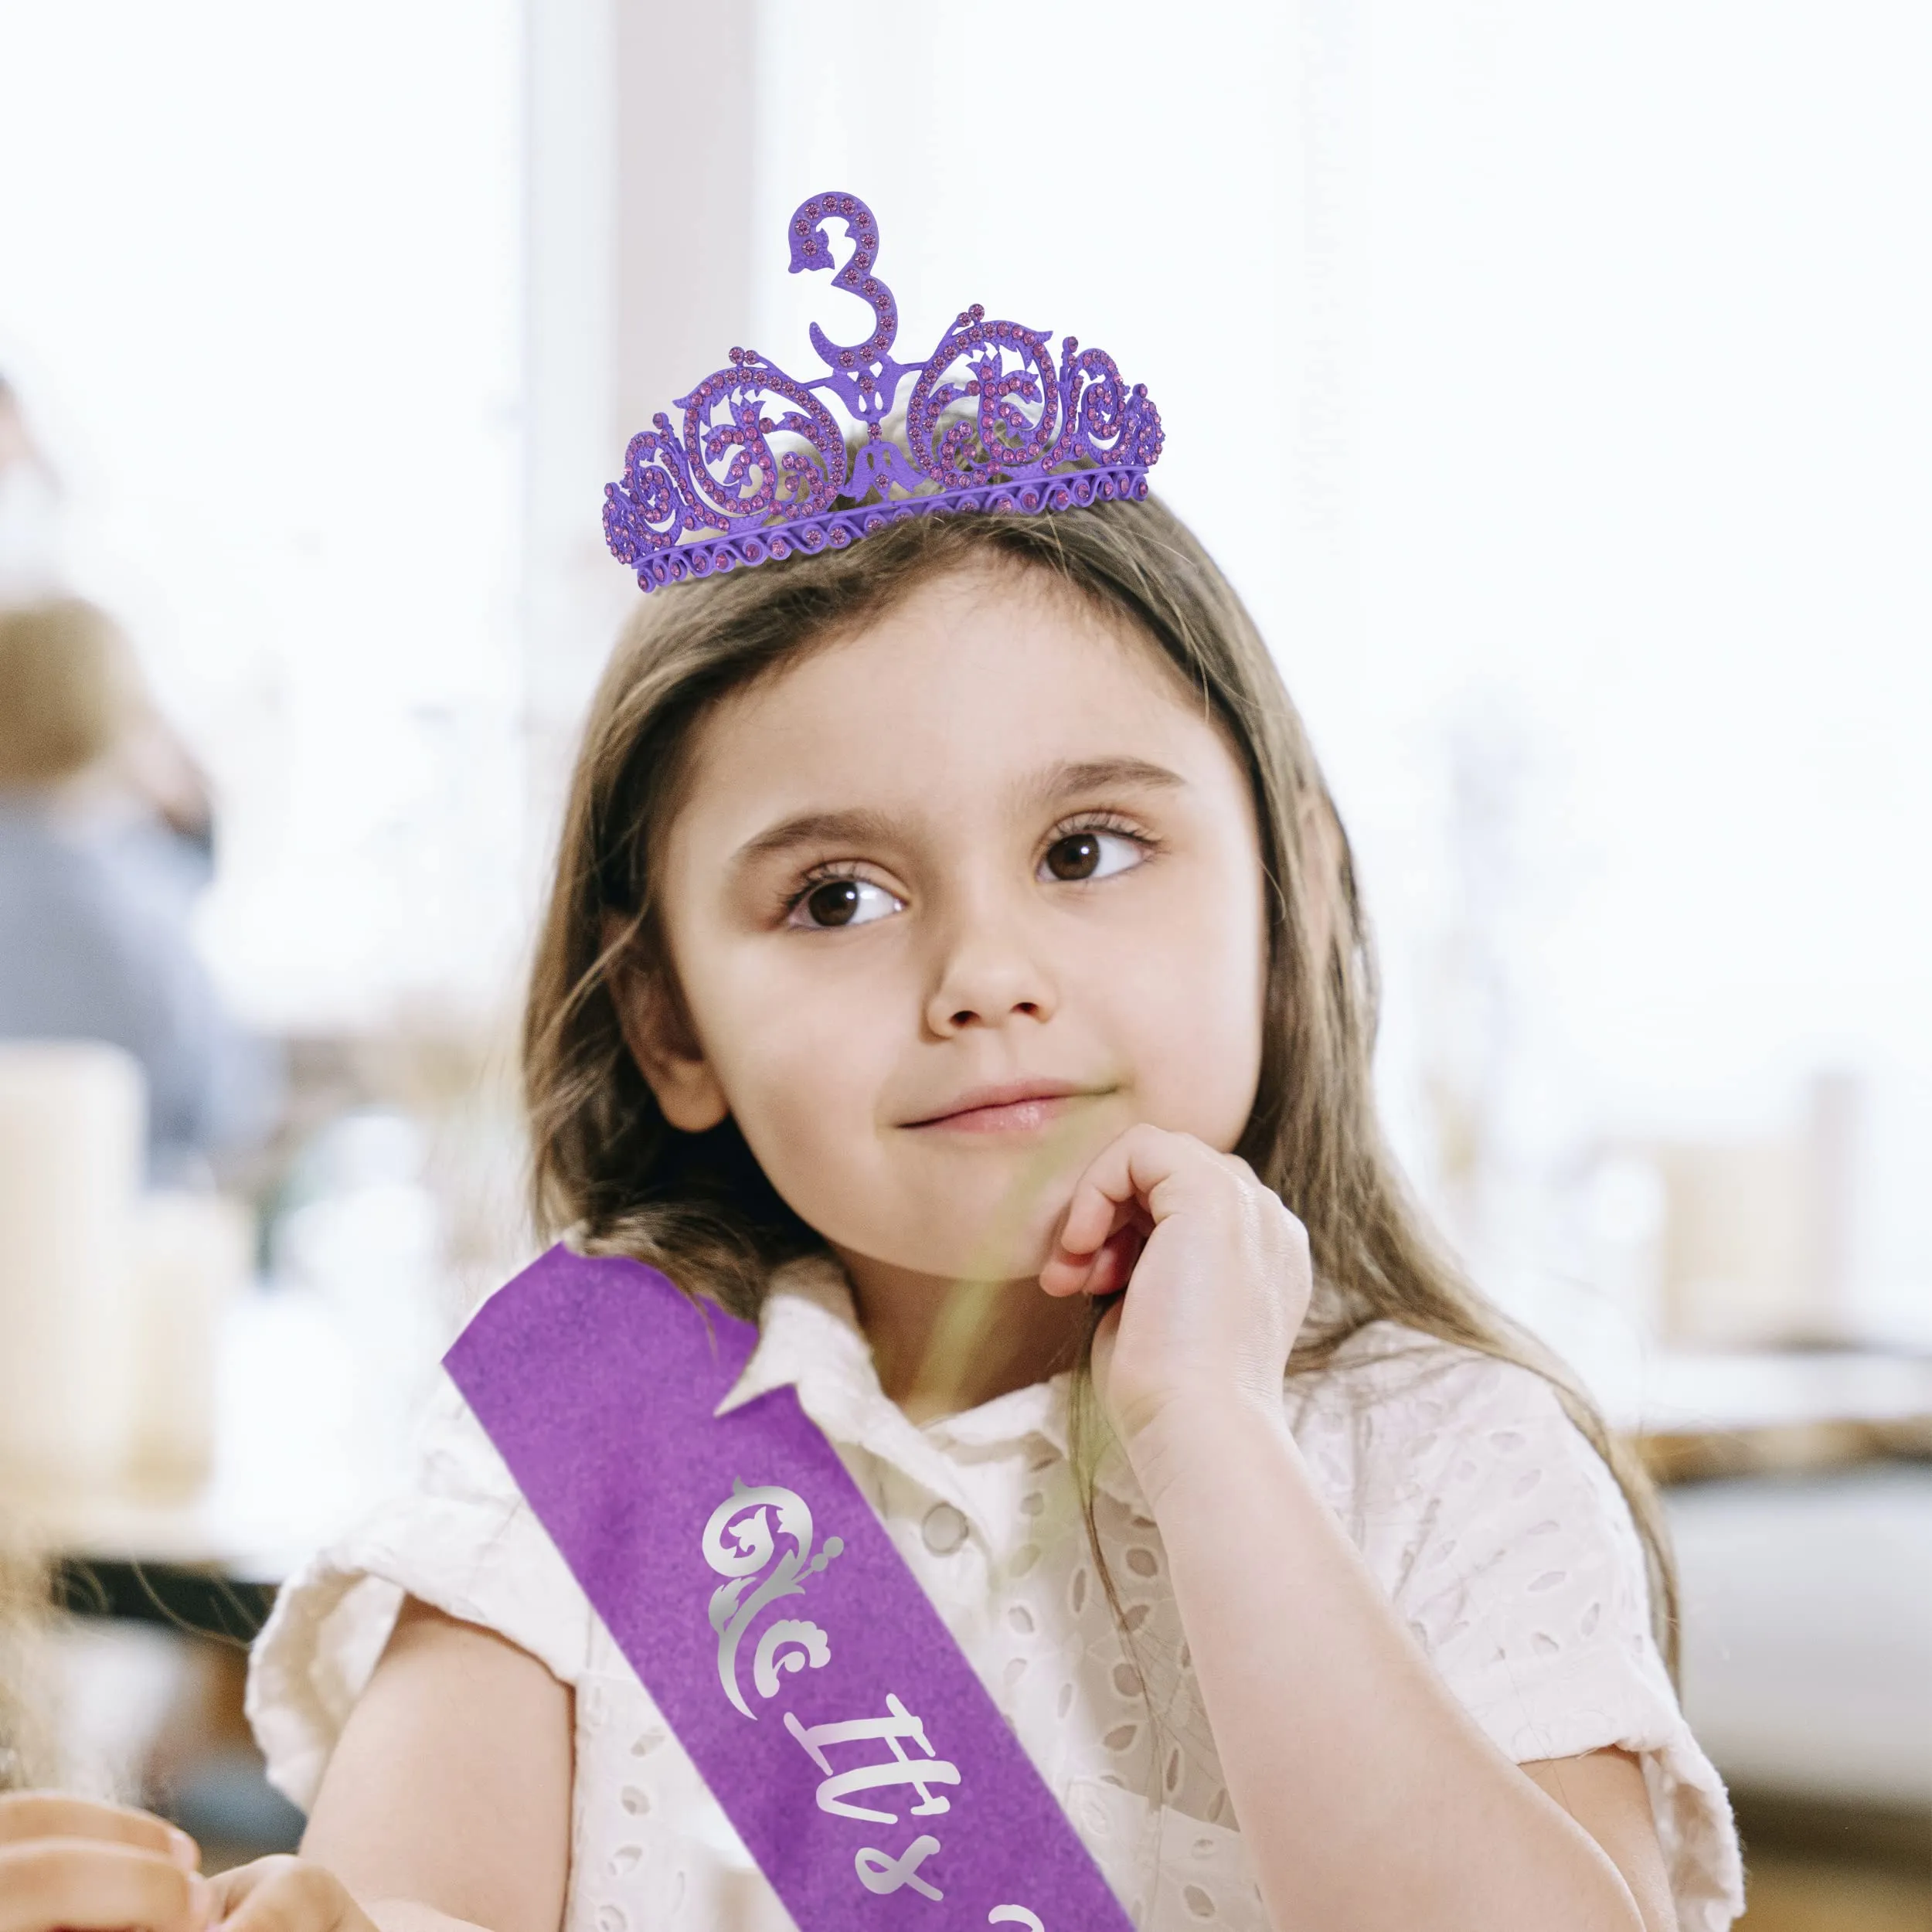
1588,524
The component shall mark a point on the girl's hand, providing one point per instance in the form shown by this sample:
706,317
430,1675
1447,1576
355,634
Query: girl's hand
1217,1278
67,1865
285,1894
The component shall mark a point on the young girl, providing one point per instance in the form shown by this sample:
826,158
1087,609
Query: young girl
104,844
966,906
955,963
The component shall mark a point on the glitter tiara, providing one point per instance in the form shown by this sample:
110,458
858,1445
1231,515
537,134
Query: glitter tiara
760,467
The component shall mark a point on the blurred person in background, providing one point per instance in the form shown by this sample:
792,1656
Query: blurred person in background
105,841
152,757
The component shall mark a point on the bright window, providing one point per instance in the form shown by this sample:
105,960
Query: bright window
260,285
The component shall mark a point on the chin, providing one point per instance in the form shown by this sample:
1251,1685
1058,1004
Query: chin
982,1251
958,1226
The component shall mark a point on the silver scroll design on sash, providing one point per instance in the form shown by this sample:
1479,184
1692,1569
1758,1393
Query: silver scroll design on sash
739,1544
603,1386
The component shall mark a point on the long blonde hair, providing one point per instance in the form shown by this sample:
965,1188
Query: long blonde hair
606,1163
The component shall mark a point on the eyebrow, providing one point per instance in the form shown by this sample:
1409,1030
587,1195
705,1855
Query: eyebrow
1103,774
816,828
861,827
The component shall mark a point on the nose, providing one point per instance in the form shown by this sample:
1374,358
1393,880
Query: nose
988,975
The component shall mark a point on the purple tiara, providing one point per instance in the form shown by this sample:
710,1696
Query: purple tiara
760,467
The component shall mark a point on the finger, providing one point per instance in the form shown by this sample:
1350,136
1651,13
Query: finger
1069,1271
1112,1267
1106,1189
81,1885
1130,1172
231,1887
285,1894
33,1815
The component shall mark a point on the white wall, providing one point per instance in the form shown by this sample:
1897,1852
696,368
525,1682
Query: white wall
1123,171
1635,491
1551,381
260,283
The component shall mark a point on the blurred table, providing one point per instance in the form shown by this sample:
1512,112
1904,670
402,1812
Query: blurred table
1696,1415
178,1564
190,1598
213,1563
288,1475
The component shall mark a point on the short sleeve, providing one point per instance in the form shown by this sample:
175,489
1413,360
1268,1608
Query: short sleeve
459,1537
1504,1543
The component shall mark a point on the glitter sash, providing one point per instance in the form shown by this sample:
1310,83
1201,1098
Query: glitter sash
743,1576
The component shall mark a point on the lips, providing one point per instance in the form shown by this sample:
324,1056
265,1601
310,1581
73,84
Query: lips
1010,1106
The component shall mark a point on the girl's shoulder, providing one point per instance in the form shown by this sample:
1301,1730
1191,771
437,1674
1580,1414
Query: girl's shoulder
458,1535
1398,1422
1500,1536
1391,1376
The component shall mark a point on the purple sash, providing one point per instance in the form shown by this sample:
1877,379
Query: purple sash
740,1571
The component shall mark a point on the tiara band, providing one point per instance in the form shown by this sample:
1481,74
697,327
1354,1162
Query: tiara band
760,467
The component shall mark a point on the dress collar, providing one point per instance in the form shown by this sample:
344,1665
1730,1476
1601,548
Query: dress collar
809,1338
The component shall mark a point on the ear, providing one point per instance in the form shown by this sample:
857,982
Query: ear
1323,856
661,1041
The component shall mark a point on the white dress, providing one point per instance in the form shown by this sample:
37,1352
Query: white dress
1495,1530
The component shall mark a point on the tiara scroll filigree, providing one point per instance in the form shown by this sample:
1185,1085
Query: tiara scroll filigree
760,467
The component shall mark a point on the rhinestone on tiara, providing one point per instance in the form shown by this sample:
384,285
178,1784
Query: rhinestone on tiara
761,467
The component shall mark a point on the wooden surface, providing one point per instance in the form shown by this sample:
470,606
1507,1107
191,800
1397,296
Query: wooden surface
1783,1448
1791,1894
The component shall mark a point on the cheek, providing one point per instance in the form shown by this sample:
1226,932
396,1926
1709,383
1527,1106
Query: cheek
801,1067
1189,1001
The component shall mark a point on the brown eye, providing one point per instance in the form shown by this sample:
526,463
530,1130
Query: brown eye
1096,854
834,904
1076,857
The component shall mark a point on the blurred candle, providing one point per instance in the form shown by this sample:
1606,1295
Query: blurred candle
71,1130
193,1253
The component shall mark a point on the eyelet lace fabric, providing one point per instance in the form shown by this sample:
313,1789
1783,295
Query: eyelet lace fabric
1495,1530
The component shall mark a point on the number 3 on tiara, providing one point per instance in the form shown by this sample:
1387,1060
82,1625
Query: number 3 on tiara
1014,1915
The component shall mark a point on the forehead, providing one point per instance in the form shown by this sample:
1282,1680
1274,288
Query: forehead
975,680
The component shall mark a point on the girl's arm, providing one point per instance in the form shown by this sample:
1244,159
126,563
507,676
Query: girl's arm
446,1802
1367,1796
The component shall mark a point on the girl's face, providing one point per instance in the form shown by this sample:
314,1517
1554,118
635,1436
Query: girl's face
951,902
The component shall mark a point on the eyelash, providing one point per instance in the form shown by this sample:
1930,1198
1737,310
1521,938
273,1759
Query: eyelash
1099,821
836,868
824,875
